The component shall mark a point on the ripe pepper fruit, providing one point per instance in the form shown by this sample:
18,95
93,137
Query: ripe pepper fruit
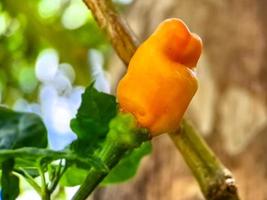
160,81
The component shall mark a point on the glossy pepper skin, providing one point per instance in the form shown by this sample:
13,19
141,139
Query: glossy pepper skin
160,81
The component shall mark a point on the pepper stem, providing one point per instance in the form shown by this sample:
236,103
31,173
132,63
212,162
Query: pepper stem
124,135
110,155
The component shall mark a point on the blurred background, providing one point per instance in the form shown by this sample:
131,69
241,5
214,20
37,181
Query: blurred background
51,50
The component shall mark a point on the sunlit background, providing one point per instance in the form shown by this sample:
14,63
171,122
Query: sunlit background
49,52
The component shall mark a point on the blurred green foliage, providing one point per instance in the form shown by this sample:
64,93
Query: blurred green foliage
27,27
67,29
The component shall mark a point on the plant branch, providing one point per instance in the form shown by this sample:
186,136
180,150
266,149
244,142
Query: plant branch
216,182
110,155
115,27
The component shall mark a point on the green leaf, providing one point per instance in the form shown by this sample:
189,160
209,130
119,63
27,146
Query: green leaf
28,157
123,134
18,129
73,176
128,165
92,119
9,182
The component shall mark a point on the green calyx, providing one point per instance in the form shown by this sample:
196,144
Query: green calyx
124,130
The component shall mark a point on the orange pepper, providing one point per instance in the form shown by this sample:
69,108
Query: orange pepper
161,81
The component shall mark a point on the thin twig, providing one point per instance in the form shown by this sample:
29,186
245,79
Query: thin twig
45,193
115,27
29,179
59,173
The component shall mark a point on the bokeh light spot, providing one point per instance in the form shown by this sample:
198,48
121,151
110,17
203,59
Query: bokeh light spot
46,65
27,79
67,70
48,8
61,116
96,61
75,15
3,22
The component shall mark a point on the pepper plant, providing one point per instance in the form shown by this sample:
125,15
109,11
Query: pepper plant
103,137
113,137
